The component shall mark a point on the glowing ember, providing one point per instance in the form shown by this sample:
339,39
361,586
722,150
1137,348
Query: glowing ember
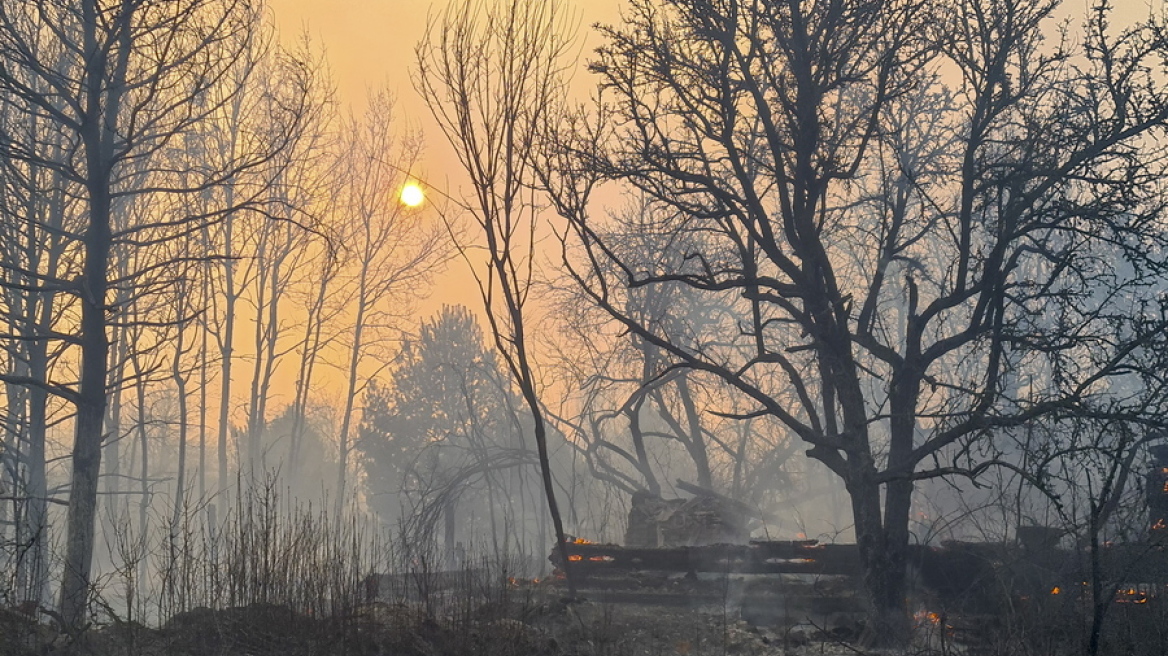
927,617
1136,594
575,557
1055,590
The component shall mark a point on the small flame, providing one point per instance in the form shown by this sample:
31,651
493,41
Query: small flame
1137,594
927,616
1056,590
575,557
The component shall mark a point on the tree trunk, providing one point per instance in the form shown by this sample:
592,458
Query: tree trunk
350,392
37,489
97,128
91,403
227,338
883,558
180,381
696,444
449,521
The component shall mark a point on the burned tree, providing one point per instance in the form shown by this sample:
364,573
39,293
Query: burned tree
917,209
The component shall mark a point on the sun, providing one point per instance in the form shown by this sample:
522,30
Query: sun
412,194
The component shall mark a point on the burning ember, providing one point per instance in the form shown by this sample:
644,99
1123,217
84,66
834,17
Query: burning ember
1134,594
927,617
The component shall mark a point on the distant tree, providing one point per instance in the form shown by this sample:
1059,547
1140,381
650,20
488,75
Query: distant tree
444,425
918,209
625,417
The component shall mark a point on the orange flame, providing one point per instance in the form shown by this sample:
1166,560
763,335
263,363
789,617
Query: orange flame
927,616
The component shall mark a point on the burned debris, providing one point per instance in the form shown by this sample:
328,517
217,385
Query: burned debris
703,519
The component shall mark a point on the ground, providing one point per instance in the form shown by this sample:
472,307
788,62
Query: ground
524,620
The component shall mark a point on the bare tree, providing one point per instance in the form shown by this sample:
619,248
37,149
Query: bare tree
390,248
488,74
122,81
916,209
35,208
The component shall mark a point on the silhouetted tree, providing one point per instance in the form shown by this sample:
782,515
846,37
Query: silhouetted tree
121,81
490,74
917,209
390,250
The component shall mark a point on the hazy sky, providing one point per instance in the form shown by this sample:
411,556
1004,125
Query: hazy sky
370,43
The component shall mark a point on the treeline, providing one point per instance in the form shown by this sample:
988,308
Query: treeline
195,235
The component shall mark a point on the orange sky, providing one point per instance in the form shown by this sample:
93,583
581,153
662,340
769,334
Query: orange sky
371,42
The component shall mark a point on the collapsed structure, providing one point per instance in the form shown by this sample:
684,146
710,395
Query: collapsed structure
700,520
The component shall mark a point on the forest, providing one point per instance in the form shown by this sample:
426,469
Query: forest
883,275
